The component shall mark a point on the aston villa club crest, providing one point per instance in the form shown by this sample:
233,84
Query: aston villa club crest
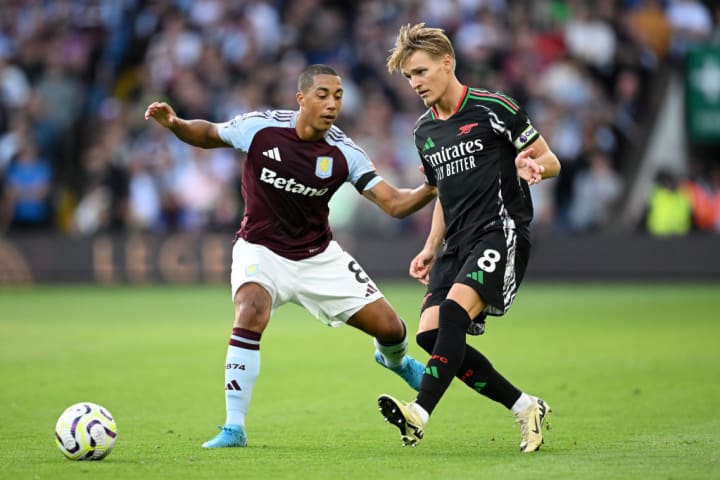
323,167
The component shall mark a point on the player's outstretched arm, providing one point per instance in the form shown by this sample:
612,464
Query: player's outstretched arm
199,133
400,202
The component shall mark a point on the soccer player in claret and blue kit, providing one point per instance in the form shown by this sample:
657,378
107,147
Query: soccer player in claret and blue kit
284,251
482,152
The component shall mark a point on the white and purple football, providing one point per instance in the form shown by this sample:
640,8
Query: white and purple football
85,431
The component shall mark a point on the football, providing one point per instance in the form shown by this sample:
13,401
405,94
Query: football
85,431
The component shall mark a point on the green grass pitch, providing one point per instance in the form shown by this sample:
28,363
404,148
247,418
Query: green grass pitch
632,373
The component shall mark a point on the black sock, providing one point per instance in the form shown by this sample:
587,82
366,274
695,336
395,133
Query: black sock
447,355
427,339
477,372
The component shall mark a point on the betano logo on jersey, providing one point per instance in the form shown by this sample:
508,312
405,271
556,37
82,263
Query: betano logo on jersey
289,184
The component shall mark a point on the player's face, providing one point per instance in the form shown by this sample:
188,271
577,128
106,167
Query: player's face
320,104
428,76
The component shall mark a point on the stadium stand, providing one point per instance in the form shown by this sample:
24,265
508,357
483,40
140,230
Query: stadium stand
76,156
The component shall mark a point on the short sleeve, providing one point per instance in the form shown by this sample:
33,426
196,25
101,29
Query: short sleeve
240,131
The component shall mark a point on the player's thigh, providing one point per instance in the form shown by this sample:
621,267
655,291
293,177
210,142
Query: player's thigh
494,269
468,298
442,278
429,319
256,269
333,286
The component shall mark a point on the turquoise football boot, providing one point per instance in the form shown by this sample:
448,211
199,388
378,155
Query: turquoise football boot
229,436
410,370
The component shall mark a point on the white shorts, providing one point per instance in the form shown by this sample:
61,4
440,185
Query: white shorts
332,286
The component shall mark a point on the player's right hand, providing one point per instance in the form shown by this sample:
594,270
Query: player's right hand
421,265
162,113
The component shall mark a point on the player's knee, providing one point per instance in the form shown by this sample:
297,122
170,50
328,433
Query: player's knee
427,339
249,310
379,320
252,310
250,318
453,315
395,329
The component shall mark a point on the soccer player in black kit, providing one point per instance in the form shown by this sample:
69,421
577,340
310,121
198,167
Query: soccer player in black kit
284,251
482,152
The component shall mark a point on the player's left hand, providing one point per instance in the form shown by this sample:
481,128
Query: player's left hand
528,168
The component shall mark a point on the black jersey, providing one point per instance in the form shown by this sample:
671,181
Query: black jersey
470,157
287,182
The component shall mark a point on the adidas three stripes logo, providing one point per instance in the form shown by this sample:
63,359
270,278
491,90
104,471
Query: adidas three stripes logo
273,153
233,385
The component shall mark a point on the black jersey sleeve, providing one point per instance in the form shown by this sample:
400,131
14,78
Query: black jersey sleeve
429,173
523,133
521,130
421,144
510,120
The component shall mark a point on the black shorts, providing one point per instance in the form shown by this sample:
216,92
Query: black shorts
493,265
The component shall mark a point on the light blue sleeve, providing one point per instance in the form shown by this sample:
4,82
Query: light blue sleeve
358,162
240,131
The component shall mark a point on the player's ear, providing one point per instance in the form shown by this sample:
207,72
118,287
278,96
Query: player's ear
448,63
299,97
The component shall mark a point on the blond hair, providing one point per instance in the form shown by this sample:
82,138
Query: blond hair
418,37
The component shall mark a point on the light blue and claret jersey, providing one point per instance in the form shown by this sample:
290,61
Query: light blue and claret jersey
287,182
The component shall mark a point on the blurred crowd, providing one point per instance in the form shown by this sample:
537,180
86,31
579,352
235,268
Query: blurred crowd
77,156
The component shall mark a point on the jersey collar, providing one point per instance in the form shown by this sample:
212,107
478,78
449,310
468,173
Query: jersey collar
461,102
